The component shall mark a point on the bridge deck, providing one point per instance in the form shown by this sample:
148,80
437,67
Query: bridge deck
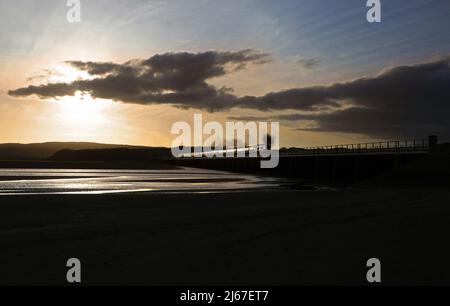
393,147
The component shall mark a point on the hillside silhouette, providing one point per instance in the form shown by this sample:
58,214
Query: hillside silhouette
113,154
18,151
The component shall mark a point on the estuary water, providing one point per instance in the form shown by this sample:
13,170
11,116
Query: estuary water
82,181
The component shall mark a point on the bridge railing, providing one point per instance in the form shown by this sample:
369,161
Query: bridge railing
370,147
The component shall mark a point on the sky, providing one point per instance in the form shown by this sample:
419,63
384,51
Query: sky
130,69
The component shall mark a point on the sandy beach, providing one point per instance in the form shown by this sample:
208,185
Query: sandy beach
237,238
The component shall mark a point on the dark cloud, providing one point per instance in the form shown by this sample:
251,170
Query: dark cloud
311,98
401,101
45,91
406,101
179,79
99,69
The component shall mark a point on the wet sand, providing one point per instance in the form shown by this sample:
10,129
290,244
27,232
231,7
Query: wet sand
240,238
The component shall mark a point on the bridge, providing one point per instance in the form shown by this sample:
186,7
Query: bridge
336,164
383,147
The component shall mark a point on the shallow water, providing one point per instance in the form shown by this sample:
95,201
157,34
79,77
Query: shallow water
79,181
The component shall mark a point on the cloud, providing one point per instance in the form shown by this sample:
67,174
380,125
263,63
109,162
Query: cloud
401,101
406,101
308,63
179,79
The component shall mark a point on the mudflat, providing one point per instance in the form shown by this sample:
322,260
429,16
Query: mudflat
235,238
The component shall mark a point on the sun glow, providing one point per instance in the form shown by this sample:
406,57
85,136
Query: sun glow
65,73
82,111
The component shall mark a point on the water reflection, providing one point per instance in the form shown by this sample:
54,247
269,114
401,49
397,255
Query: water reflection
79,181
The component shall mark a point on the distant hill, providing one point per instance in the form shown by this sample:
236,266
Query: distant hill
17,151
113,154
